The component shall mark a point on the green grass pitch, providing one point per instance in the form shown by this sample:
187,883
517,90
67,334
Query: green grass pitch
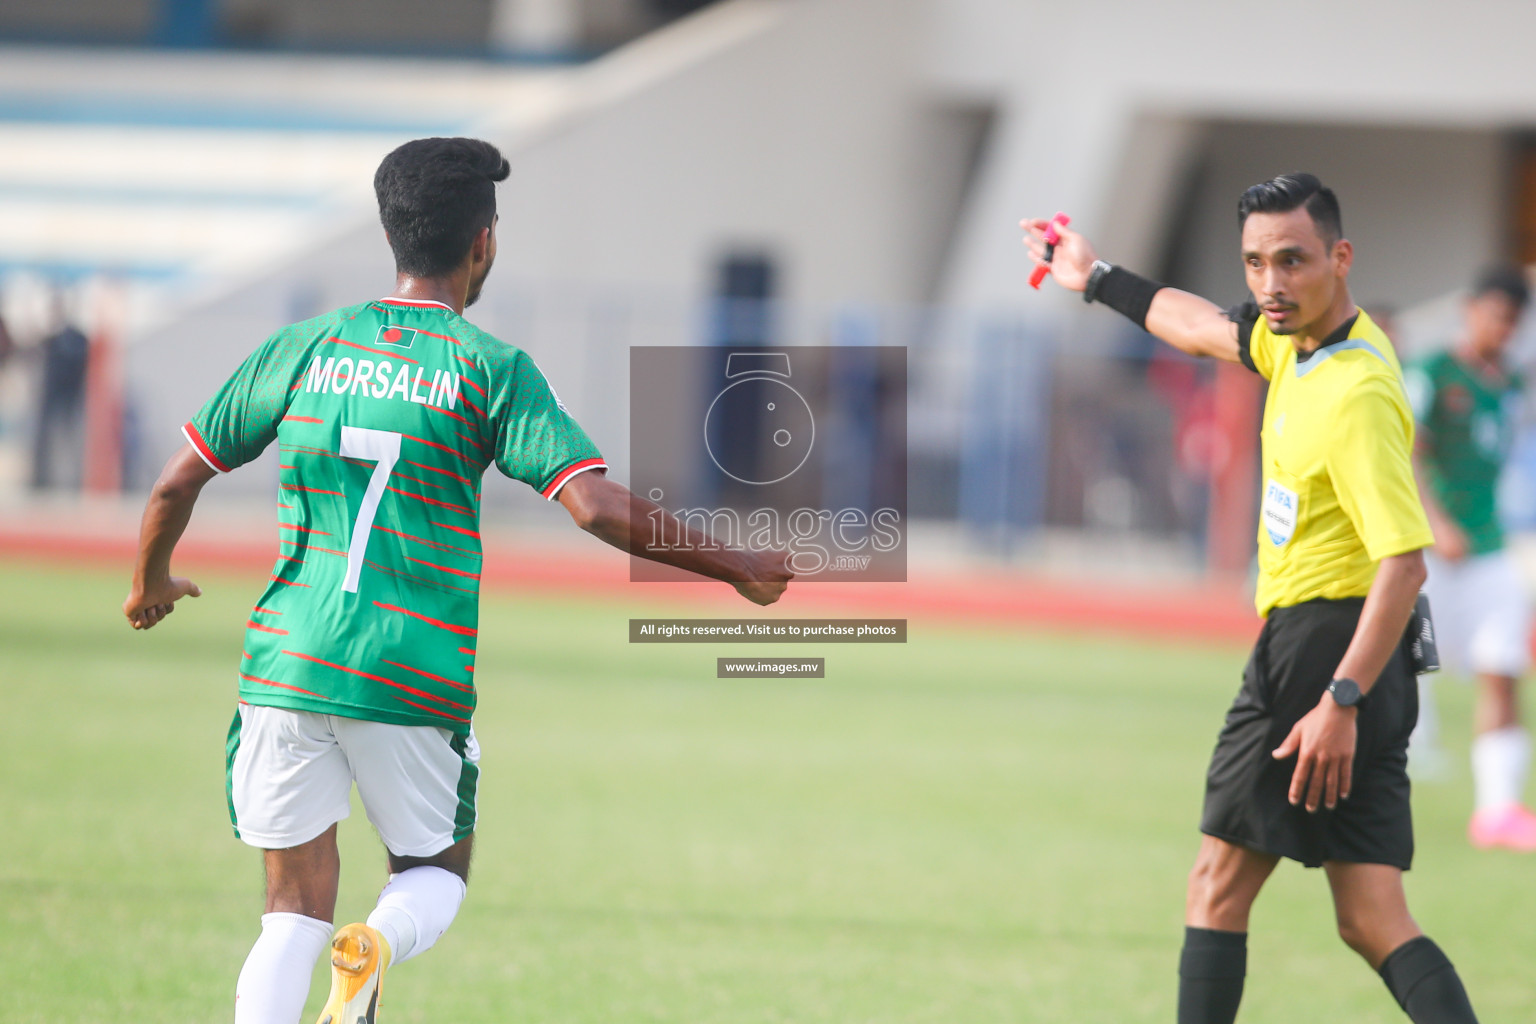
973,827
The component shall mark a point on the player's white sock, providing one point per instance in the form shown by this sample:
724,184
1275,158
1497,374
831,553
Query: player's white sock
1500,761
275,979
415,909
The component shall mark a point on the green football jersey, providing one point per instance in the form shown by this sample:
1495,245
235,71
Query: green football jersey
386,416
1467,425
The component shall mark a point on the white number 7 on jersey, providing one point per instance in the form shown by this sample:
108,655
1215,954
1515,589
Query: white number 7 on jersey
383,447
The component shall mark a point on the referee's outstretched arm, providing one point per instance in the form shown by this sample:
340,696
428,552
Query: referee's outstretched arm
1185,321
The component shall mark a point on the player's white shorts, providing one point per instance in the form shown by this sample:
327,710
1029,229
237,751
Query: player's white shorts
1481,612
290,775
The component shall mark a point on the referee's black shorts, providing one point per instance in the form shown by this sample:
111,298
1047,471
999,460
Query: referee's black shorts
1246,789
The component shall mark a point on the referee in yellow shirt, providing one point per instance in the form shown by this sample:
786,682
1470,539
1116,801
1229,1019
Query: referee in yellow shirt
1312,761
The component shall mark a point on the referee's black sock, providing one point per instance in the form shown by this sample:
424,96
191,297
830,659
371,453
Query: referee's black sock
1211,971
1425,984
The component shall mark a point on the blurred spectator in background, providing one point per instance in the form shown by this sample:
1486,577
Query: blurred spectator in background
7,346
1464,399
58,444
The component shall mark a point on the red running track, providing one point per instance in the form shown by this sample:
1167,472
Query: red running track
1213,612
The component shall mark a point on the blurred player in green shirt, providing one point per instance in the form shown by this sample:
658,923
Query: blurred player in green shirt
1465,399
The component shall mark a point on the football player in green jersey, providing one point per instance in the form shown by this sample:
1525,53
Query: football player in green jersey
359,654
1464,400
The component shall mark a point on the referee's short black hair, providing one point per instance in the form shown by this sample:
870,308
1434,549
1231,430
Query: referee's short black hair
1506,280
1289,192
434,197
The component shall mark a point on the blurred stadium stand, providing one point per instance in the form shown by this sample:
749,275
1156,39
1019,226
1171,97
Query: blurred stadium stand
207,179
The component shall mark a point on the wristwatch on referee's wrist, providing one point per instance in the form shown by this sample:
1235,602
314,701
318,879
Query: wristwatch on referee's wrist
1345,692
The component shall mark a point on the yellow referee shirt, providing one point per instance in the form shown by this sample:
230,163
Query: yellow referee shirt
1338,487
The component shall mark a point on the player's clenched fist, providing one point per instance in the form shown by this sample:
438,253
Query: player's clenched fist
148,604
1072,261
767,577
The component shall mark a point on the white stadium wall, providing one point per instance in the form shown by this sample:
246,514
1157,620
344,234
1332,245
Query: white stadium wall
1422,206
1074,83
802,141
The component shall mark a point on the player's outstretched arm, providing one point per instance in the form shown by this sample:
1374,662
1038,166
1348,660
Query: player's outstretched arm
1185,321
155,591
608,510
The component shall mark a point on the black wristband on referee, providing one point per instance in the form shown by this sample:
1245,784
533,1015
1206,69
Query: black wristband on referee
1128,294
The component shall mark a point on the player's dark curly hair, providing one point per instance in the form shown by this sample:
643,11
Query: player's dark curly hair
434,197
1505,280
1289,192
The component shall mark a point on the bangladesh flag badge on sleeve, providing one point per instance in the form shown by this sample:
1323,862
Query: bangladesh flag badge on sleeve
395,337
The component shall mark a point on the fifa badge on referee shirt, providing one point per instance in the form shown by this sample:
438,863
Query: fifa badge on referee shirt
1279,513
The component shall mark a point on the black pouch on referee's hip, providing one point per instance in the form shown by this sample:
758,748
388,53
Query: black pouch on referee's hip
1423,653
